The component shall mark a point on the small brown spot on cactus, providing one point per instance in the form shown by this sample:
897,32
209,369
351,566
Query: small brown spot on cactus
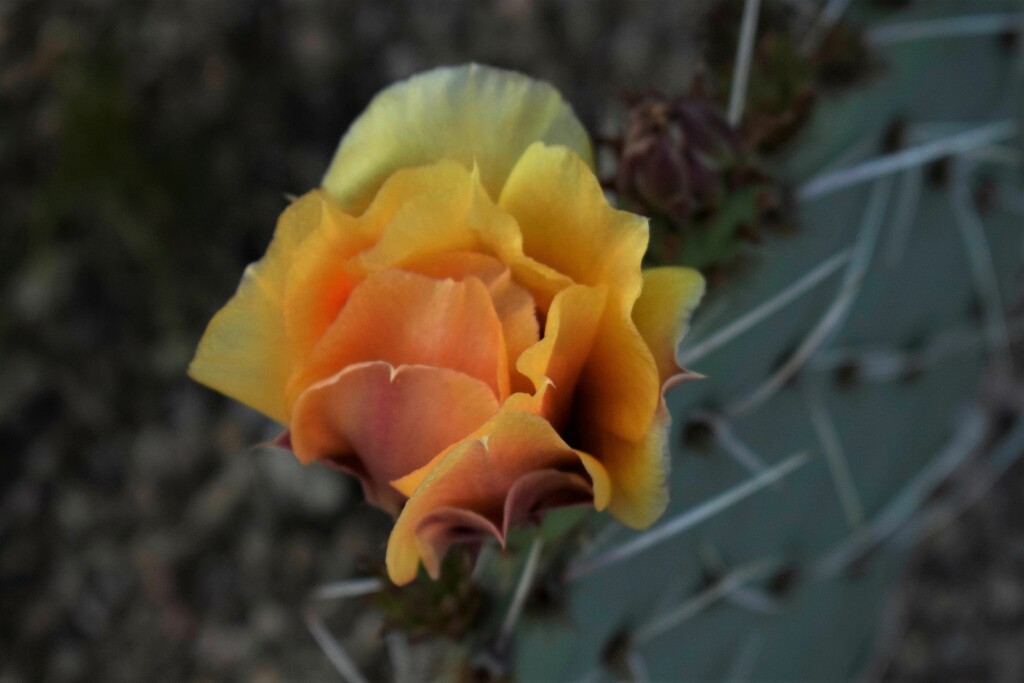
913,371
747,233
895,137
486,667
847,375
615,654
1006,418
781,583
975,310
699,436
1009,41
612,141
985,194
744,175
943,489
710,577
546,598
940,171
843,57
715,275
777,207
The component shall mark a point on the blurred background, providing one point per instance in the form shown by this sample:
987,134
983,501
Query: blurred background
146,150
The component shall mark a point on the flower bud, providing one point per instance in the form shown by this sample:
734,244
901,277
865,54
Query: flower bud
675,153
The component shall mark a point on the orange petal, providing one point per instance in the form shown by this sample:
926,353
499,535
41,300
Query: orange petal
442,528
663,310
458,265
526,501
599,479
554,363
552,366
534,493
513,303
381,422
245,352
320,282
478,477
407,319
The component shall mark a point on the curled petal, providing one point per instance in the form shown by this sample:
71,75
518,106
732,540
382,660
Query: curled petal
535,492
568,225
469,114
619,387
554,363
380,422
638,467
478,476
444,527
663,310
421,212
529,497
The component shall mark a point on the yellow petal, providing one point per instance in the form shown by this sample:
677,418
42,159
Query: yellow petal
467,114
638,468
619,388
663,310
638,471
420,212
599,478
244,352
554,363
428,211
568,225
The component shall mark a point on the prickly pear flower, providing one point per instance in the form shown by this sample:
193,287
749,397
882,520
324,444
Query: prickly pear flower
458,318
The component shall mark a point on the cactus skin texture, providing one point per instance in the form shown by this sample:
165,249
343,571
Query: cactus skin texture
795,617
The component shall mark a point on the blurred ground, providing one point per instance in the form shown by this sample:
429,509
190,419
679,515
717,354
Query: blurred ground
145,151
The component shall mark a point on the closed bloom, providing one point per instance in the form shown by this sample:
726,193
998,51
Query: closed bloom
675,154
458,318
